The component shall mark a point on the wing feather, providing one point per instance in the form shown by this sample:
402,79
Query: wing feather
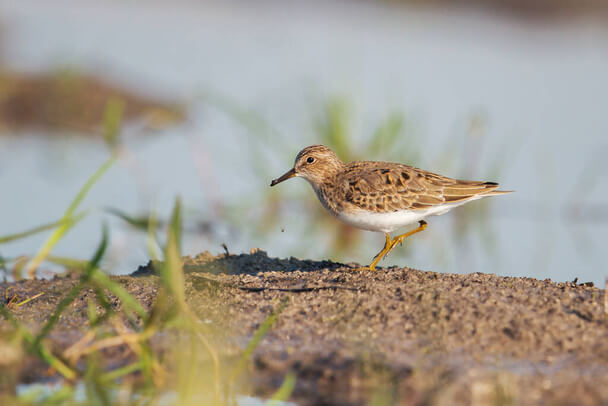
387,187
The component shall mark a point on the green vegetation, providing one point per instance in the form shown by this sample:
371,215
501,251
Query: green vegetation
194,371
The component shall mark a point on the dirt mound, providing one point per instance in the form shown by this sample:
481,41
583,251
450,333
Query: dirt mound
417,337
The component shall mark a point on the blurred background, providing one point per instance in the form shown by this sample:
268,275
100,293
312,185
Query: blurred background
218,97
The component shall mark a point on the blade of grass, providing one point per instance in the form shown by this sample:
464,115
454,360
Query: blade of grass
100,279
171,271
39,229
114,341
89,184
172,276
141,223
71,263
153,372
65,302
65,227
284,392
75,291
29,299
112,120
92,311
94,318
176,224
66,262
55,362
97,392
18,264
120,372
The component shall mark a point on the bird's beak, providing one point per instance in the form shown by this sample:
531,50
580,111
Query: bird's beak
289,174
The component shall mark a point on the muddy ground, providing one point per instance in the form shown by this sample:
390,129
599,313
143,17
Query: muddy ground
419,337
75,102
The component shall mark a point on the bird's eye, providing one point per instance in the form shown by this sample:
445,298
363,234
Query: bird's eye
310,160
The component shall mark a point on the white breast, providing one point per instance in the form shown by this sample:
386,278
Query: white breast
391,221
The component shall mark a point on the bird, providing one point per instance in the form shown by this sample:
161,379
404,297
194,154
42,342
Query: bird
382,196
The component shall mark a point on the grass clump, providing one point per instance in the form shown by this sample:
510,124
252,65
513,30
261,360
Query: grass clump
191,370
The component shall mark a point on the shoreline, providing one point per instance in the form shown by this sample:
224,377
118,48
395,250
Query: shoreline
446,338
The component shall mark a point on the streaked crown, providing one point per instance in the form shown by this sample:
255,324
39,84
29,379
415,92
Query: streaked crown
316,162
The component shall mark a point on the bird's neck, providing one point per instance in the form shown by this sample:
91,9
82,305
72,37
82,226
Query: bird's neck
326,191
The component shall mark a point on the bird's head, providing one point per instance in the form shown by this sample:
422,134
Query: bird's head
314,163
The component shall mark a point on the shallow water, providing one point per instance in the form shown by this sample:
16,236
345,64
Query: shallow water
38,391
537,92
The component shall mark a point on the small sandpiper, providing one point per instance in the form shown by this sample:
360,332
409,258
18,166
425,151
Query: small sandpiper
382,196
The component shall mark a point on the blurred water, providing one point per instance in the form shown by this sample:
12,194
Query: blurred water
540,88
40,392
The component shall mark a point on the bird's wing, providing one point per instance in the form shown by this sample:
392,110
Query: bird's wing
388,187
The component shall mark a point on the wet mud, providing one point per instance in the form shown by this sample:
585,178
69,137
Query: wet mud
403,335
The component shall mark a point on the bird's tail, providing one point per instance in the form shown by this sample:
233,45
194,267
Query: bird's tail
498,192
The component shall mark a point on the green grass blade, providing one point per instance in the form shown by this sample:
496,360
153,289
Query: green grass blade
70,263
100,251
63,304
63,229
128,301
176,223
55,362
75,291
284,392
112,120
39,229
141,222
120,372
171,270
29,299
89,184
47,247
94,318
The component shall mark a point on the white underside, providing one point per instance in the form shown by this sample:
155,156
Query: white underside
389,222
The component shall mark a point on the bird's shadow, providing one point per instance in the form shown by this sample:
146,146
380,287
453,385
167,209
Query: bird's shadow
236,264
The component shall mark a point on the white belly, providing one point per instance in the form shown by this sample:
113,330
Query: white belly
389,222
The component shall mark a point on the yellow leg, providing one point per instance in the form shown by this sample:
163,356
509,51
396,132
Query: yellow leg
392,243
382,253
399,239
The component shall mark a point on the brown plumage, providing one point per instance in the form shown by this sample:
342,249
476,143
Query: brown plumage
386,186
382,196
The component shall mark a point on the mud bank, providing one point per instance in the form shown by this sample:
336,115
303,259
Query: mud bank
351,335
75,102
